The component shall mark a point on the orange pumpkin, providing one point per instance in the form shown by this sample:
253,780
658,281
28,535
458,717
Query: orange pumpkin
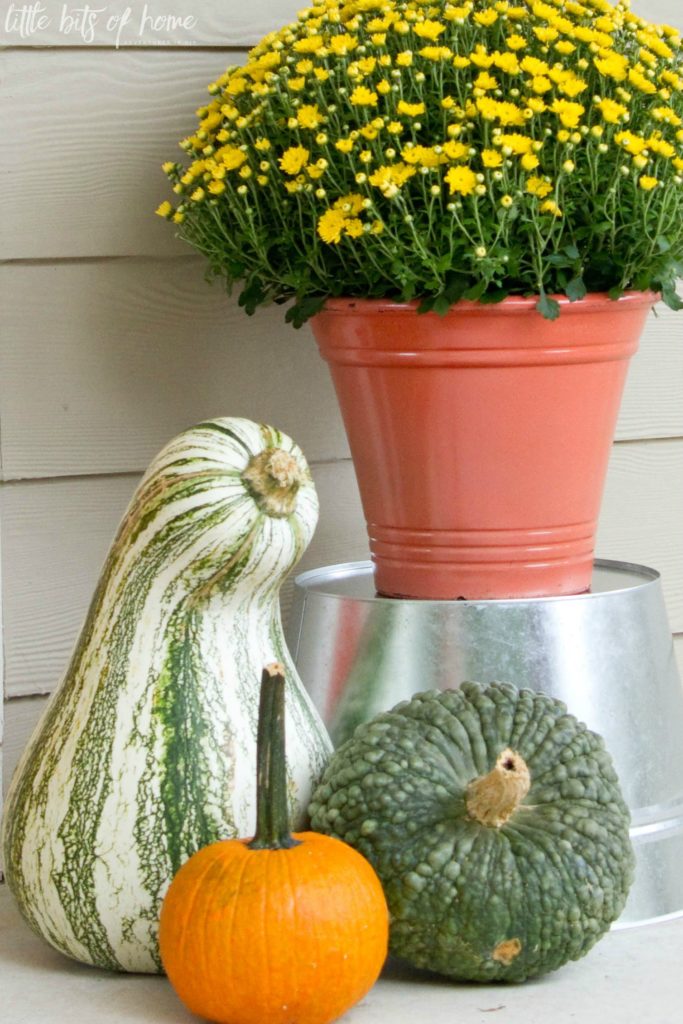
281,929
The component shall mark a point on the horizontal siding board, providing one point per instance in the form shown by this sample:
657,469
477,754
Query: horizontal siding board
105,123
103,361
200,23
116,358
204,22
55,535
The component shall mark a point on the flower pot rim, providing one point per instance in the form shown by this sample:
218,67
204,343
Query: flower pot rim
513,304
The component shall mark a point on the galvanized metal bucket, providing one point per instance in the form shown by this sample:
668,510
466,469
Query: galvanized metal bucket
608,654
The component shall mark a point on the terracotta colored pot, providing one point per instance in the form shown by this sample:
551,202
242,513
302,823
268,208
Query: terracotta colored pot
481,439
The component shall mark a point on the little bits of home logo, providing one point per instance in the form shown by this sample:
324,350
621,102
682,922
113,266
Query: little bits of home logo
115,24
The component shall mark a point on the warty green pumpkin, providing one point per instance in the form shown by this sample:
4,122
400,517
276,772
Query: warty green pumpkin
495,822
146,751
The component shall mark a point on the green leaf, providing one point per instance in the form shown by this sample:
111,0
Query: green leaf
494,296
476,291
303,309
671,298
547,307
576,289
616,292
663,243
427,304
572,252
456,286
441,305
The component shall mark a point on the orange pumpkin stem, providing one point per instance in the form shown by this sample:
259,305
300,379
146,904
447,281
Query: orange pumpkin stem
272,811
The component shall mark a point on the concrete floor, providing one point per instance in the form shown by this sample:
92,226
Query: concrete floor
633,976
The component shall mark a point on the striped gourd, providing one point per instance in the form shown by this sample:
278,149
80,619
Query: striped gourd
146,751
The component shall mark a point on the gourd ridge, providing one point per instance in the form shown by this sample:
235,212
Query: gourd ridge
145,752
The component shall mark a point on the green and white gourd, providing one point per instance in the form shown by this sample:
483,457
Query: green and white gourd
146,751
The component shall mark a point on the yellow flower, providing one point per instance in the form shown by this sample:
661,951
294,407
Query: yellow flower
647,183
404,59
262,144
564,46
534,66
496,110
506,201
198,195
490,158
350,204
486,81
455,150
296,84
309,44
389,179
487,17
660,146
232,157
322,74
569,113
216,187
366,65
462,180
435,52
344,145
168,166
639,80
342,44
612,111
363,97
461,62
429,29
550,206
612,65
383,87
667,115
353,227
164,209
541,84
506,62
425,156
309,116
330,226
178,217
529,161
538,187
410,109
546,34
516,42
515,143
304,67
395,128
293,159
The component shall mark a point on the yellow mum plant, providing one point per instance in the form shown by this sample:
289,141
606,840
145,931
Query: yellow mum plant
434,150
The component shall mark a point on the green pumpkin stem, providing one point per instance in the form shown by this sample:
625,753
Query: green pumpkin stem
272,811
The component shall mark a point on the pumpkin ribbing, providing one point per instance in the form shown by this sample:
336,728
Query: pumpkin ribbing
280,929
533,885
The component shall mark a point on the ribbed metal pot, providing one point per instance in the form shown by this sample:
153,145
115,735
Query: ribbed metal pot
608,654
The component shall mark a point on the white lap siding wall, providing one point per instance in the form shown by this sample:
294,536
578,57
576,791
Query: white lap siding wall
111,341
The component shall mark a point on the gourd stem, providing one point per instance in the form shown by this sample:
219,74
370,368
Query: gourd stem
273,478
272,811
492,799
